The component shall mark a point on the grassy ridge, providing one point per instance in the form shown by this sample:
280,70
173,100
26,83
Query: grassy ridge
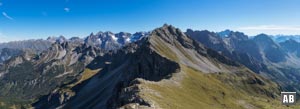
239,89
87,74
200,90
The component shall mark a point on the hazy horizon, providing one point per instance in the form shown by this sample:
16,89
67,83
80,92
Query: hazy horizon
184,30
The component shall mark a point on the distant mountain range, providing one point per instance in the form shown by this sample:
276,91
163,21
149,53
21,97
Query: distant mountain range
102,40
283,38
163,68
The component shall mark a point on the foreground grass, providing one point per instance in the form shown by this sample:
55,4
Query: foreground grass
87,74
14,103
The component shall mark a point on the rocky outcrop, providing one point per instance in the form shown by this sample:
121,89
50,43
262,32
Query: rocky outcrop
112,41
7,53
32,75
107,40
241,49
270,49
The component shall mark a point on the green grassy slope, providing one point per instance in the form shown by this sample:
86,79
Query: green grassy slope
236,89
201,90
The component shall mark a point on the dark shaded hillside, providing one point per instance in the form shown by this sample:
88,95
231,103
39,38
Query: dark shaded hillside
291,46
271,50
235,46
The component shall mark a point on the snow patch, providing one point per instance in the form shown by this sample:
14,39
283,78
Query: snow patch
114,37
65,73
127,40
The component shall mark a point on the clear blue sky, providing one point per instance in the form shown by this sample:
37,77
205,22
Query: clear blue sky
26,19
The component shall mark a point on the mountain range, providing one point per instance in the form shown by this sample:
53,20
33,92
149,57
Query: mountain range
283,38
162,68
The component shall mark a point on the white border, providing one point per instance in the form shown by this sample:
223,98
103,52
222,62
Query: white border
288,92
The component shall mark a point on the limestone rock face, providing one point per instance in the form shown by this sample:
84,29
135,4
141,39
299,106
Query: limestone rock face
31,75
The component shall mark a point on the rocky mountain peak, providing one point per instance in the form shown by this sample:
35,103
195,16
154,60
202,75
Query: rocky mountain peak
208,38
76,40
205,36
123,37
271,50
138,36
263,37
225,33
171,35
54,39
189,30
238,36
291,46
264,41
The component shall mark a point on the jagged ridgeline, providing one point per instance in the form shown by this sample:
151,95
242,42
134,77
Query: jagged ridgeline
165,68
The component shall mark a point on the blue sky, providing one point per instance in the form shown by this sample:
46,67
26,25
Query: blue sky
27,19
